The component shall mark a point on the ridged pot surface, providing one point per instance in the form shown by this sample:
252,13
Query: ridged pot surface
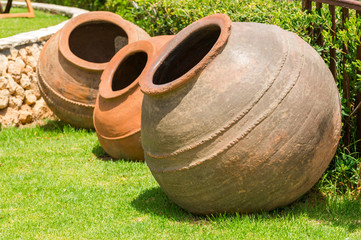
238,117
73,59
117,110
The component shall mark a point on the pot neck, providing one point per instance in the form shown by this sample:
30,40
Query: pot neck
84,40
187,55
122,75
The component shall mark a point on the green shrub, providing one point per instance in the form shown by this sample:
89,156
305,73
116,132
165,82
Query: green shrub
343,172
169,17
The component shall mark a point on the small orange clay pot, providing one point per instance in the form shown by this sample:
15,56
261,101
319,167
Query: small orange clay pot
118,106
72,61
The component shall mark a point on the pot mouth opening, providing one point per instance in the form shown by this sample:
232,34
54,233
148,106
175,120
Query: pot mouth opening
187,54
129,70
97,41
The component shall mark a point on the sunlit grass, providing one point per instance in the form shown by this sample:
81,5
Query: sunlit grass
12,26
56,182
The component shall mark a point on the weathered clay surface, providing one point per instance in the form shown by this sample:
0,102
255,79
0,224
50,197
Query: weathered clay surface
118,106
238,117
73,59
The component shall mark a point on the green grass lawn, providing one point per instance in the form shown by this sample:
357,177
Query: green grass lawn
56,182
12,26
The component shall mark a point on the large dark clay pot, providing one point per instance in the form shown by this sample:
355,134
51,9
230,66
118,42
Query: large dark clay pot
118,106
238,117
72,61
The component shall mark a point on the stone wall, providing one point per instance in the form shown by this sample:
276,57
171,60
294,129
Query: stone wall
20,99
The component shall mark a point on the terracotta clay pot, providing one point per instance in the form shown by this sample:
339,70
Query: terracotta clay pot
118,106
72,61
238,117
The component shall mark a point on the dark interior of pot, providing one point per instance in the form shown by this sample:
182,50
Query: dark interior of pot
187,54
129,70
97,42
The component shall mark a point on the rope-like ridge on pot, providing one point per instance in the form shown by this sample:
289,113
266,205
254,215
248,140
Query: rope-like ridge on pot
48,99
258,97
47,86
273,107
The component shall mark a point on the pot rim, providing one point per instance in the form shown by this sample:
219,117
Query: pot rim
96,16
105,86
221,20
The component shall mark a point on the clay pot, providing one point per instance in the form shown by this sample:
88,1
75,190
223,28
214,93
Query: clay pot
73,59
118,106
238,117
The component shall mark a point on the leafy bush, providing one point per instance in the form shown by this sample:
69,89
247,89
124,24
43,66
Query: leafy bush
160,17
344,171
169,17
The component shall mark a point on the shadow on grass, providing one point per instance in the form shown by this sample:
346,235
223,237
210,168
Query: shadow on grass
99,152
345,213
58,126
155,201
54,126
342,211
